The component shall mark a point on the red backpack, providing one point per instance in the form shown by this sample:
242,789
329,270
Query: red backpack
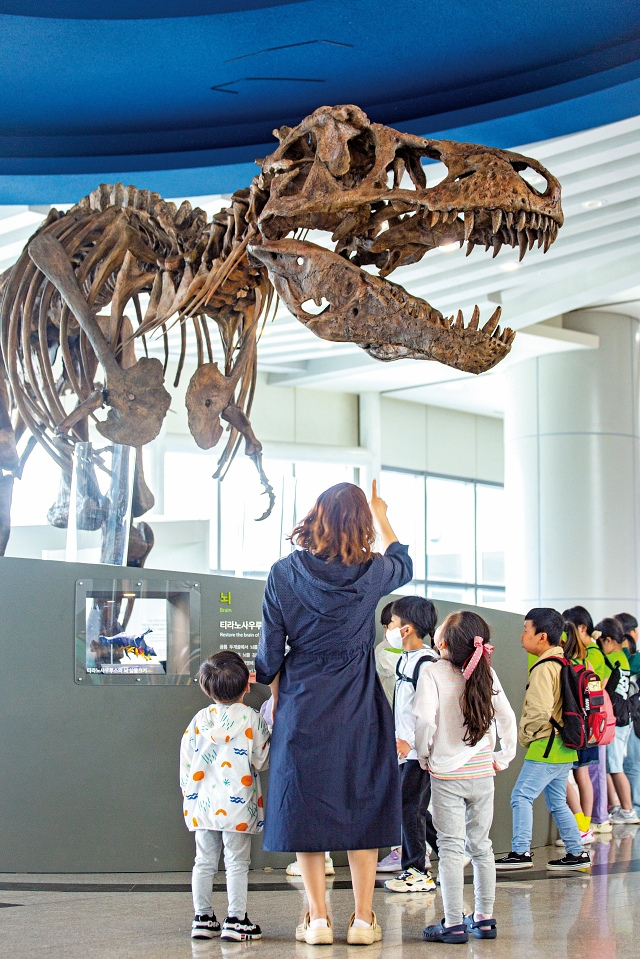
584,717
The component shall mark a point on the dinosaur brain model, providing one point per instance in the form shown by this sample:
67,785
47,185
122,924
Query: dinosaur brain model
68,346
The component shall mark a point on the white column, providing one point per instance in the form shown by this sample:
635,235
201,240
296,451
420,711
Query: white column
370,436
572,473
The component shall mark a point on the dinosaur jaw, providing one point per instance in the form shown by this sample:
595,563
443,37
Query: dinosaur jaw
375,313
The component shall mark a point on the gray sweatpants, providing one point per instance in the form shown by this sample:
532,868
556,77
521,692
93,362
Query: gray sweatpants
462,815
237,859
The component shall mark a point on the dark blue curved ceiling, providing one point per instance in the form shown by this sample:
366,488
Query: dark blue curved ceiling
184,102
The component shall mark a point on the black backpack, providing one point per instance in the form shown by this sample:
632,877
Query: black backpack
416,670
583,714
634,710
619,701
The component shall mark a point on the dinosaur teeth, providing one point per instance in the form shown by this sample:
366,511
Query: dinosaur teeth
447,321
531,235
475,319
470,246
469,220
435,216
493,321
496,220
522,222
522,243
497,243
509,220
459,323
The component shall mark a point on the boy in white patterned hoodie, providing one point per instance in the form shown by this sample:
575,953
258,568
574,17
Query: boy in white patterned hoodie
222,750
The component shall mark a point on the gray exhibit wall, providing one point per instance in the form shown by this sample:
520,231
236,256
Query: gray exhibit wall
90,772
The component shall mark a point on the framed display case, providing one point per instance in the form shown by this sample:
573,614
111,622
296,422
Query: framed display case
137,631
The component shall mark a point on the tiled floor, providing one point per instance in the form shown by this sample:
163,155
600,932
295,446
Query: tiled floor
572,916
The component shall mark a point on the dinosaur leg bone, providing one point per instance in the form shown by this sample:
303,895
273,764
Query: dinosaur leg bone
137,397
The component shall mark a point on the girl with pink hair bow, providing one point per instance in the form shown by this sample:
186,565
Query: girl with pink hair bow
460,708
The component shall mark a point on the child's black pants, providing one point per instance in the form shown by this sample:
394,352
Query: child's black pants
417,824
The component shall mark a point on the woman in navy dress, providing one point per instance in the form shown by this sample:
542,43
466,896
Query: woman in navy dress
334,769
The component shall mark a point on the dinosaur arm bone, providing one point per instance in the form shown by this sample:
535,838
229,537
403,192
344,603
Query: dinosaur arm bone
253,449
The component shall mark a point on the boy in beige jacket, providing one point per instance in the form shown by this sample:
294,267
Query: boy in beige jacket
546,766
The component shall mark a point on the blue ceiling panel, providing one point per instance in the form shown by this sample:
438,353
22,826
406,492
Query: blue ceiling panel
145,88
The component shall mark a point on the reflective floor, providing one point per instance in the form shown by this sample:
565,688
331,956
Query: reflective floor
148,916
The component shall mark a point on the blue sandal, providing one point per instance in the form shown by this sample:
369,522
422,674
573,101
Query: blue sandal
481,928
442,933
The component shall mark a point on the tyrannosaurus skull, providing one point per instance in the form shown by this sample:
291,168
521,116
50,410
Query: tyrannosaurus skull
365,184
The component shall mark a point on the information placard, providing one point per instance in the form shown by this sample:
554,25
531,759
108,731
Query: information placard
137,631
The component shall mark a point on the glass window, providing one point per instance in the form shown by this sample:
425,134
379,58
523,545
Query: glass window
405,495
249,546
454,594
189,490
494,598
490,532
450,530
455,532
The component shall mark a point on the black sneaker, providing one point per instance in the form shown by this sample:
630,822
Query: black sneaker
237,930
205,927
515,860
583,861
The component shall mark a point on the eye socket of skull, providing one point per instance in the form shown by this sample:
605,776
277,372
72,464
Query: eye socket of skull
520,168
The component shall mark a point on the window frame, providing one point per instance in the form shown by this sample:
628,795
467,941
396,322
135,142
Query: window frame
427,583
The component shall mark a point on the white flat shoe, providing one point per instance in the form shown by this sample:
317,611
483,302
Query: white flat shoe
357,936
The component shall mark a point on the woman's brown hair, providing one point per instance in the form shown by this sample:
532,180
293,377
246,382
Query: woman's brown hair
458,634
339,526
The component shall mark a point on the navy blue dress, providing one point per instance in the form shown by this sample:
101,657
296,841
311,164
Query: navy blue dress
334,780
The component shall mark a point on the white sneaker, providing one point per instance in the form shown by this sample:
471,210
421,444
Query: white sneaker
625,817
411,880
293,869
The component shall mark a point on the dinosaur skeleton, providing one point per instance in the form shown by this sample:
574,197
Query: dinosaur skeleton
63,358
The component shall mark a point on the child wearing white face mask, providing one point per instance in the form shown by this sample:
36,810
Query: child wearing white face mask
412,620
